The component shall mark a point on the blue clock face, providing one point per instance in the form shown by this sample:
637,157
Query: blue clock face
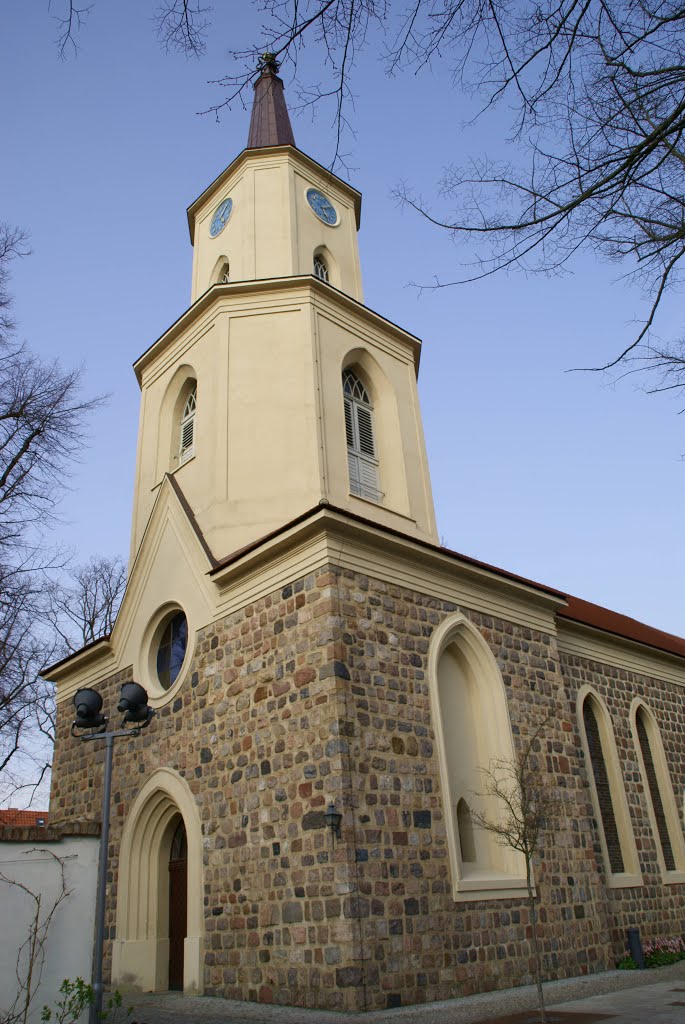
322,207
221,217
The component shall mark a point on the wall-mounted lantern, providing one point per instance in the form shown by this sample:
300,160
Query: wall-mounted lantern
333,819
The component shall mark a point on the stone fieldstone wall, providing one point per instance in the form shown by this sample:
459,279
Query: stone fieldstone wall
418,944
318,692
656,908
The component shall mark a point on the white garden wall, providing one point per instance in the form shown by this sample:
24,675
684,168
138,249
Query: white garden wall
69,944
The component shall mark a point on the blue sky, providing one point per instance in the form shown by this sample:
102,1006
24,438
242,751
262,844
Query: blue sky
559,476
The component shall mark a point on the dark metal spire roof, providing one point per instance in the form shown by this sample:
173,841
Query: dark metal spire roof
270,122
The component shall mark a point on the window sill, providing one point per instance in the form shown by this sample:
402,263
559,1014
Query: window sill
625,880
485,886
365,497
381,503
673,877
191,458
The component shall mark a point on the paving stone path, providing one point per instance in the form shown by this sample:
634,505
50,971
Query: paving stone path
621,997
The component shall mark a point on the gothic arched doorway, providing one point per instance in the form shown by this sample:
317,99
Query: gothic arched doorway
160,906
178,904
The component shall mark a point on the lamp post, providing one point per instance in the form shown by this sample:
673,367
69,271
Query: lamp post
135,709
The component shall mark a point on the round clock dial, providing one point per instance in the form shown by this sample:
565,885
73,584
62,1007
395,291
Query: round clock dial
322,207
221,217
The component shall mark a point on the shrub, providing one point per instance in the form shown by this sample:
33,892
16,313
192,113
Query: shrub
659,952
76,997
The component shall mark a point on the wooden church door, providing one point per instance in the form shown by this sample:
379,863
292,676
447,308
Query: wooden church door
178,905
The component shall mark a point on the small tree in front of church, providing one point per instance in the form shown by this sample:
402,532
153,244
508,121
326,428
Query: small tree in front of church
529,809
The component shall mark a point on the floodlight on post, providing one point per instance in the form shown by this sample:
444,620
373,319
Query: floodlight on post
134,707
133,704
88,704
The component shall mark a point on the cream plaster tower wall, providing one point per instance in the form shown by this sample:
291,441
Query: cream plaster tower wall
265,344
269,228
272,231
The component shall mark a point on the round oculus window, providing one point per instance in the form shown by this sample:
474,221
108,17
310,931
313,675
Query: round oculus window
171,650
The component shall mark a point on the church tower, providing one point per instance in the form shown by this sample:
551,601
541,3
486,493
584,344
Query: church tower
278,390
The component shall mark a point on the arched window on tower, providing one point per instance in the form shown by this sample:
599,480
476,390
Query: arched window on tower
224,273
186,448
320,267
362,462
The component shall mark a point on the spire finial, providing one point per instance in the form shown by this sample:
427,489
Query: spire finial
268,62
270,122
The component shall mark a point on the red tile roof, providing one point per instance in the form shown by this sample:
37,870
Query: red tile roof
620,625
10,817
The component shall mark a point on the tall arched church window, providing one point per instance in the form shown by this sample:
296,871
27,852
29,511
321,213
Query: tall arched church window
653,789
320,268
609,799
187,433
666,827
602,787
469,705
362,462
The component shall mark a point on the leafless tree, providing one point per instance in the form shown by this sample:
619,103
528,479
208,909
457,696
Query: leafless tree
529,812
13,244
45,616
181,25
83,602
595,90
596,93
42,431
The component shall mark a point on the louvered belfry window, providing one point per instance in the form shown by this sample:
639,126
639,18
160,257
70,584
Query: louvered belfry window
187,443
361,446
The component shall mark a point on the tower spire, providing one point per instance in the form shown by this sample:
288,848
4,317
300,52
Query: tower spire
270,122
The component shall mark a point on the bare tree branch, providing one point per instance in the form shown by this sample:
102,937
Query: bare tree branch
84,601
596,89
182,26
70,20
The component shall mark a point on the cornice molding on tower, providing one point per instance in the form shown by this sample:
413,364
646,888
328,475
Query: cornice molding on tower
308,286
